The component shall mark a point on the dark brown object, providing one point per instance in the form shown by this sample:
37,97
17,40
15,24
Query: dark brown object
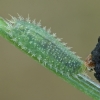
96,59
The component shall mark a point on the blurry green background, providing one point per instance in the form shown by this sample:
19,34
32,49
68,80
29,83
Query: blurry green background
76,21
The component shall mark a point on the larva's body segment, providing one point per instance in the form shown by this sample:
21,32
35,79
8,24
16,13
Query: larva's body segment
43,46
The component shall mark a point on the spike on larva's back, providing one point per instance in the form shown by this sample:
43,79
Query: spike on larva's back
42,45
64,44
20,17
34,21
49,30
28,19
44,27
54,34
39,23
59,39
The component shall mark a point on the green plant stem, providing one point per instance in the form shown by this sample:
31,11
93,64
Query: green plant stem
47,50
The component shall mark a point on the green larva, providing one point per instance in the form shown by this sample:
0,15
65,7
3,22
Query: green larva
43,46
48,50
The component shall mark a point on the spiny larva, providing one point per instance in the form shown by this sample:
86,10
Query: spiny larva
45,47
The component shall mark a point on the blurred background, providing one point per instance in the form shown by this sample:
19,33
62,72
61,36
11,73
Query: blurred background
76,21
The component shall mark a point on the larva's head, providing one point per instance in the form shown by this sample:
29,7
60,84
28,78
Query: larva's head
89,63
